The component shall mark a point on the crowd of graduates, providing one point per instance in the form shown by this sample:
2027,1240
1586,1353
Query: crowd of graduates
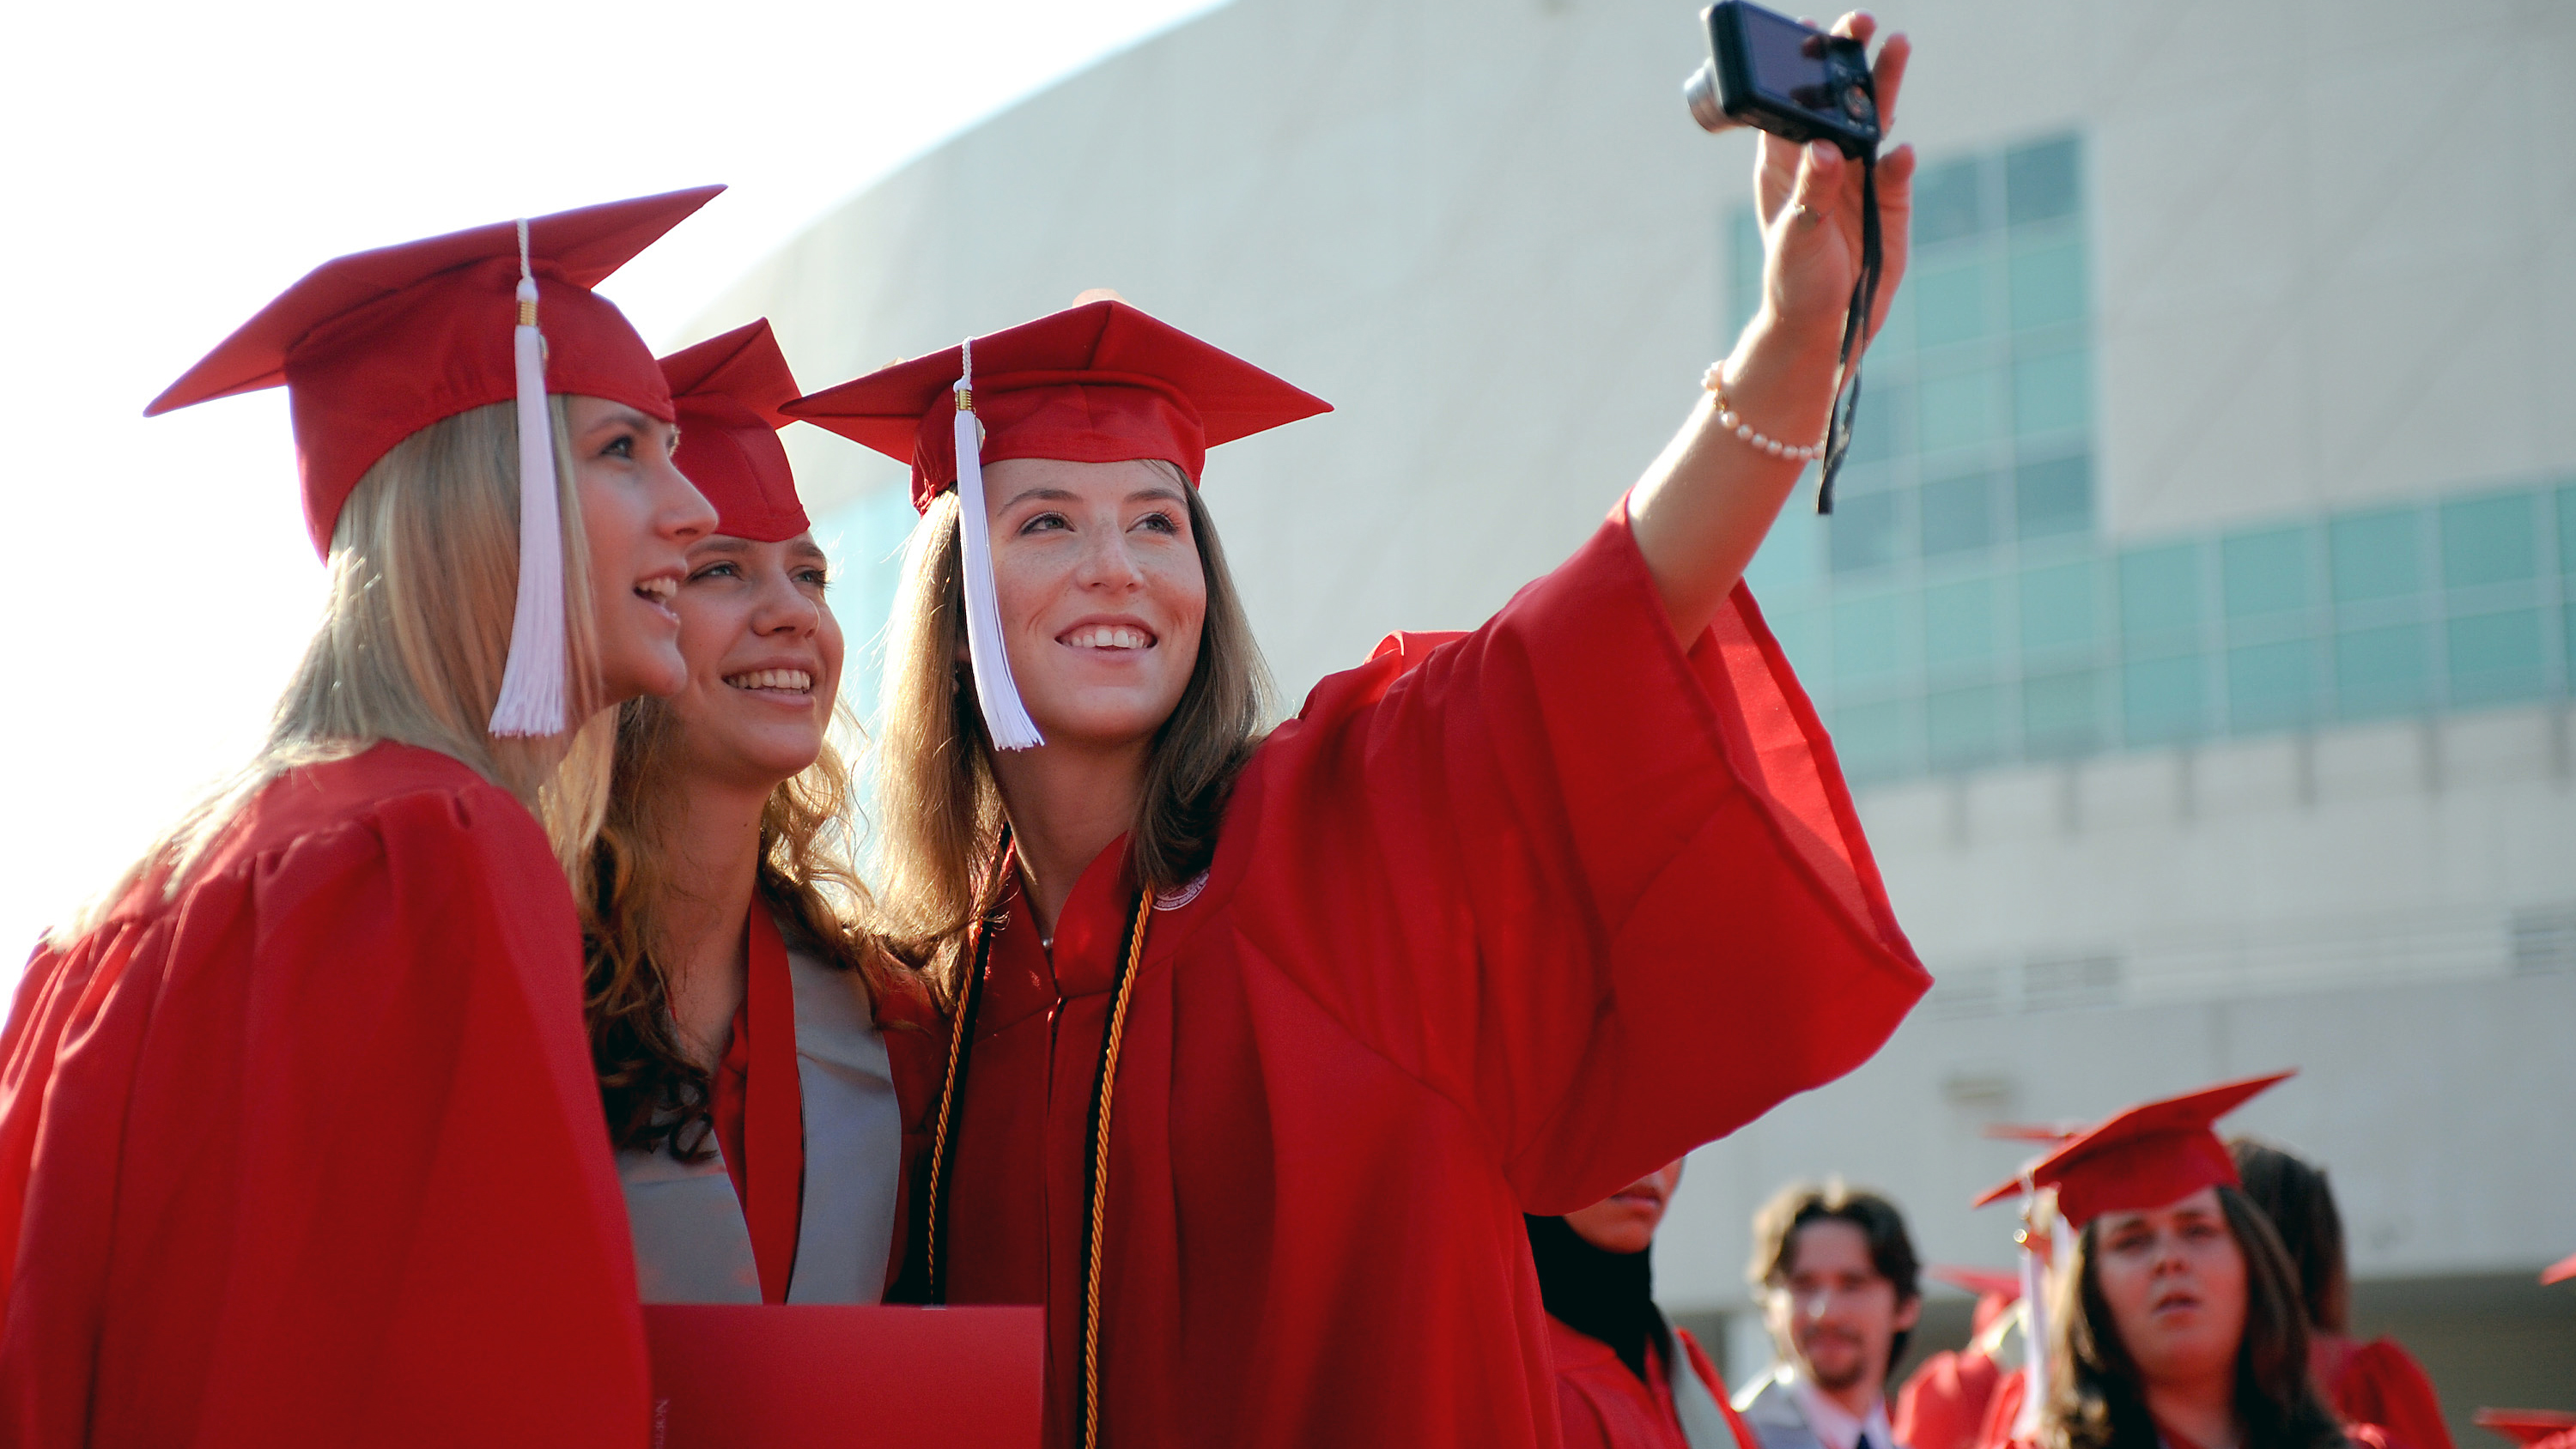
2175,1290
530,973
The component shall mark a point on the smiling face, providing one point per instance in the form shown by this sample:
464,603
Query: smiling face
2174,1281
1625,1221
1834,1311
1102,594
639,517
764,662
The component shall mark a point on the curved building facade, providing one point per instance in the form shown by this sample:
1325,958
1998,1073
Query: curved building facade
2198,616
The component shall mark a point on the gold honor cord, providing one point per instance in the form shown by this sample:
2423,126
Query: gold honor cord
1096,1187
970,996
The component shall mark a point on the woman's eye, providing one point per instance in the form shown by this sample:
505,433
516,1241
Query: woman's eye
815,577
1158,523
726,569
1045,522
621,446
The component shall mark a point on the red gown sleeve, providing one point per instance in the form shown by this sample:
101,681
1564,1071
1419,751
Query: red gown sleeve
1607,894
313,1155
2382,1384
1943,1404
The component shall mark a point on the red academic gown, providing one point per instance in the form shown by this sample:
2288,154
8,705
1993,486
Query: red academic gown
1944,1403
1497,924
312,1154
2378,1383
758,1109
1601,1405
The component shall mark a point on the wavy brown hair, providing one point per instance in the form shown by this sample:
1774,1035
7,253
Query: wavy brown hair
942,807
655,1096
2096,1399
2295,1195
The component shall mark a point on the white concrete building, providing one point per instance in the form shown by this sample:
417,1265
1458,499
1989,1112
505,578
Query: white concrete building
2197,621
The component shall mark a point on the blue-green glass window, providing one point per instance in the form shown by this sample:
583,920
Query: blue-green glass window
1959,625
866,540
2057,608
1801,633
2270,686
2490,541
2052,392
2375,555
2567,530
1949,202
1952,302
2047,285
2383,671
1958,514
1964,726
2264,573
2497,657
2061,713
1873,740
2162,700
2160,598
1960,409
1744,257
2039,181
1882,427
1867,530
1869,636
2053,496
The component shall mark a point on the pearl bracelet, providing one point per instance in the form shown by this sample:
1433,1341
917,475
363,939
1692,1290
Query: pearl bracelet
1715,382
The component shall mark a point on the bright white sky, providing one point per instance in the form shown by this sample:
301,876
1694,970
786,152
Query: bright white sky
169,168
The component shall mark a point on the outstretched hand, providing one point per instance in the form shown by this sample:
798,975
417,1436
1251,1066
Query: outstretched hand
1809,199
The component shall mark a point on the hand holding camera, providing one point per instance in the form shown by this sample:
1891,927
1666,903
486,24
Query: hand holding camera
1821,242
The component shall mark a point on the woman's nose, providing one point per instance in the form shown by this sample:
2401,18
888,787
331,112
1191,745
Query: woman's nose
1108,563
682,512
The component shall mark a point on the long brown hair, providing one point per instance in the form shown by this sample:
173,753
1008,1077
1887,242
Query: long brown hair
654,1095
2300,1203
941,806
2096,1399
424,569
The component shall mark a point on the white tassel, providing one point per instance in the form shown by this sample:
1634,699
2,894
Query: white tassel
2034,1324
1006,719
532,683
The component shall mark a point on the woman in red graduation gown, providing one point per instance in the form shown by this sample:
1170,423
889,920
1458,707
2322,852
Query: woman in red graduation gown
2178,1325
2377,1382
298,1141
1498,923
1625,1378
764,1068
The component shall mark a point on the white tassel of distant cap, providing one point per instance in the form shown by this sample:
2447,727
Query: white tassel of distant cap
1006,719
2034,1324
532,683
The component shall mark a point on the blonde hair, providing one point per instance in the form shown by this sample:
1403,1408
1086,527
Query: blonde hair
415,631
941,805
653,1093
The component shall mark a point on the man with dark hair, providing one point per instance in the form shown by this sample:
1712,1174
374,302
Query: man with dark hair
1840,1288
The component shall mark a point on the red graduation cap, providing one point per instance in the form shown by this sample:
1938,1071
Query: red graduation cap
374,347
2527,1426
1099,382
2144,1157
728,392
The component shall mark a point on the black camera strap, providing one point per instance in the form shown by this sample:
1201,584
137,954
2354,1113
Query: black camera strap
1864,299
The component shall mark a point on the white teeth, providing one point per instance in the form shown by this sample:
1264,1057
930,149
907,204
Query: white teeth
661,588
790,679
1105,636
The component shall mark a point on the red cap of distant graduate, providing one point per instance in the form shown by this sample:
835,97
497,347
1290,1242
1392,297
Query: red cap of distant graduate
729,391
1099,382
2560,1271
2144,1157
372,348
2527,1426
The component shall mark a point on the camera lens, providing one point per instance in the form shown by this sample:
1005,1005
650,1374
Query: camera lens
1857,104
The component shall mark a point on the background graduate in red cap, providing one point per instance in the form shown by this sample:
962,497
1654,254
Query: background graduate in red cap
763,1066
298,1141
2177,1321
1268,1042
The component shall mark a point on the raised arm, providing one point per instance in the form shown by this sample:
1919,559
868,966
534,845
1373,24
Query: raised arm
1703,506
